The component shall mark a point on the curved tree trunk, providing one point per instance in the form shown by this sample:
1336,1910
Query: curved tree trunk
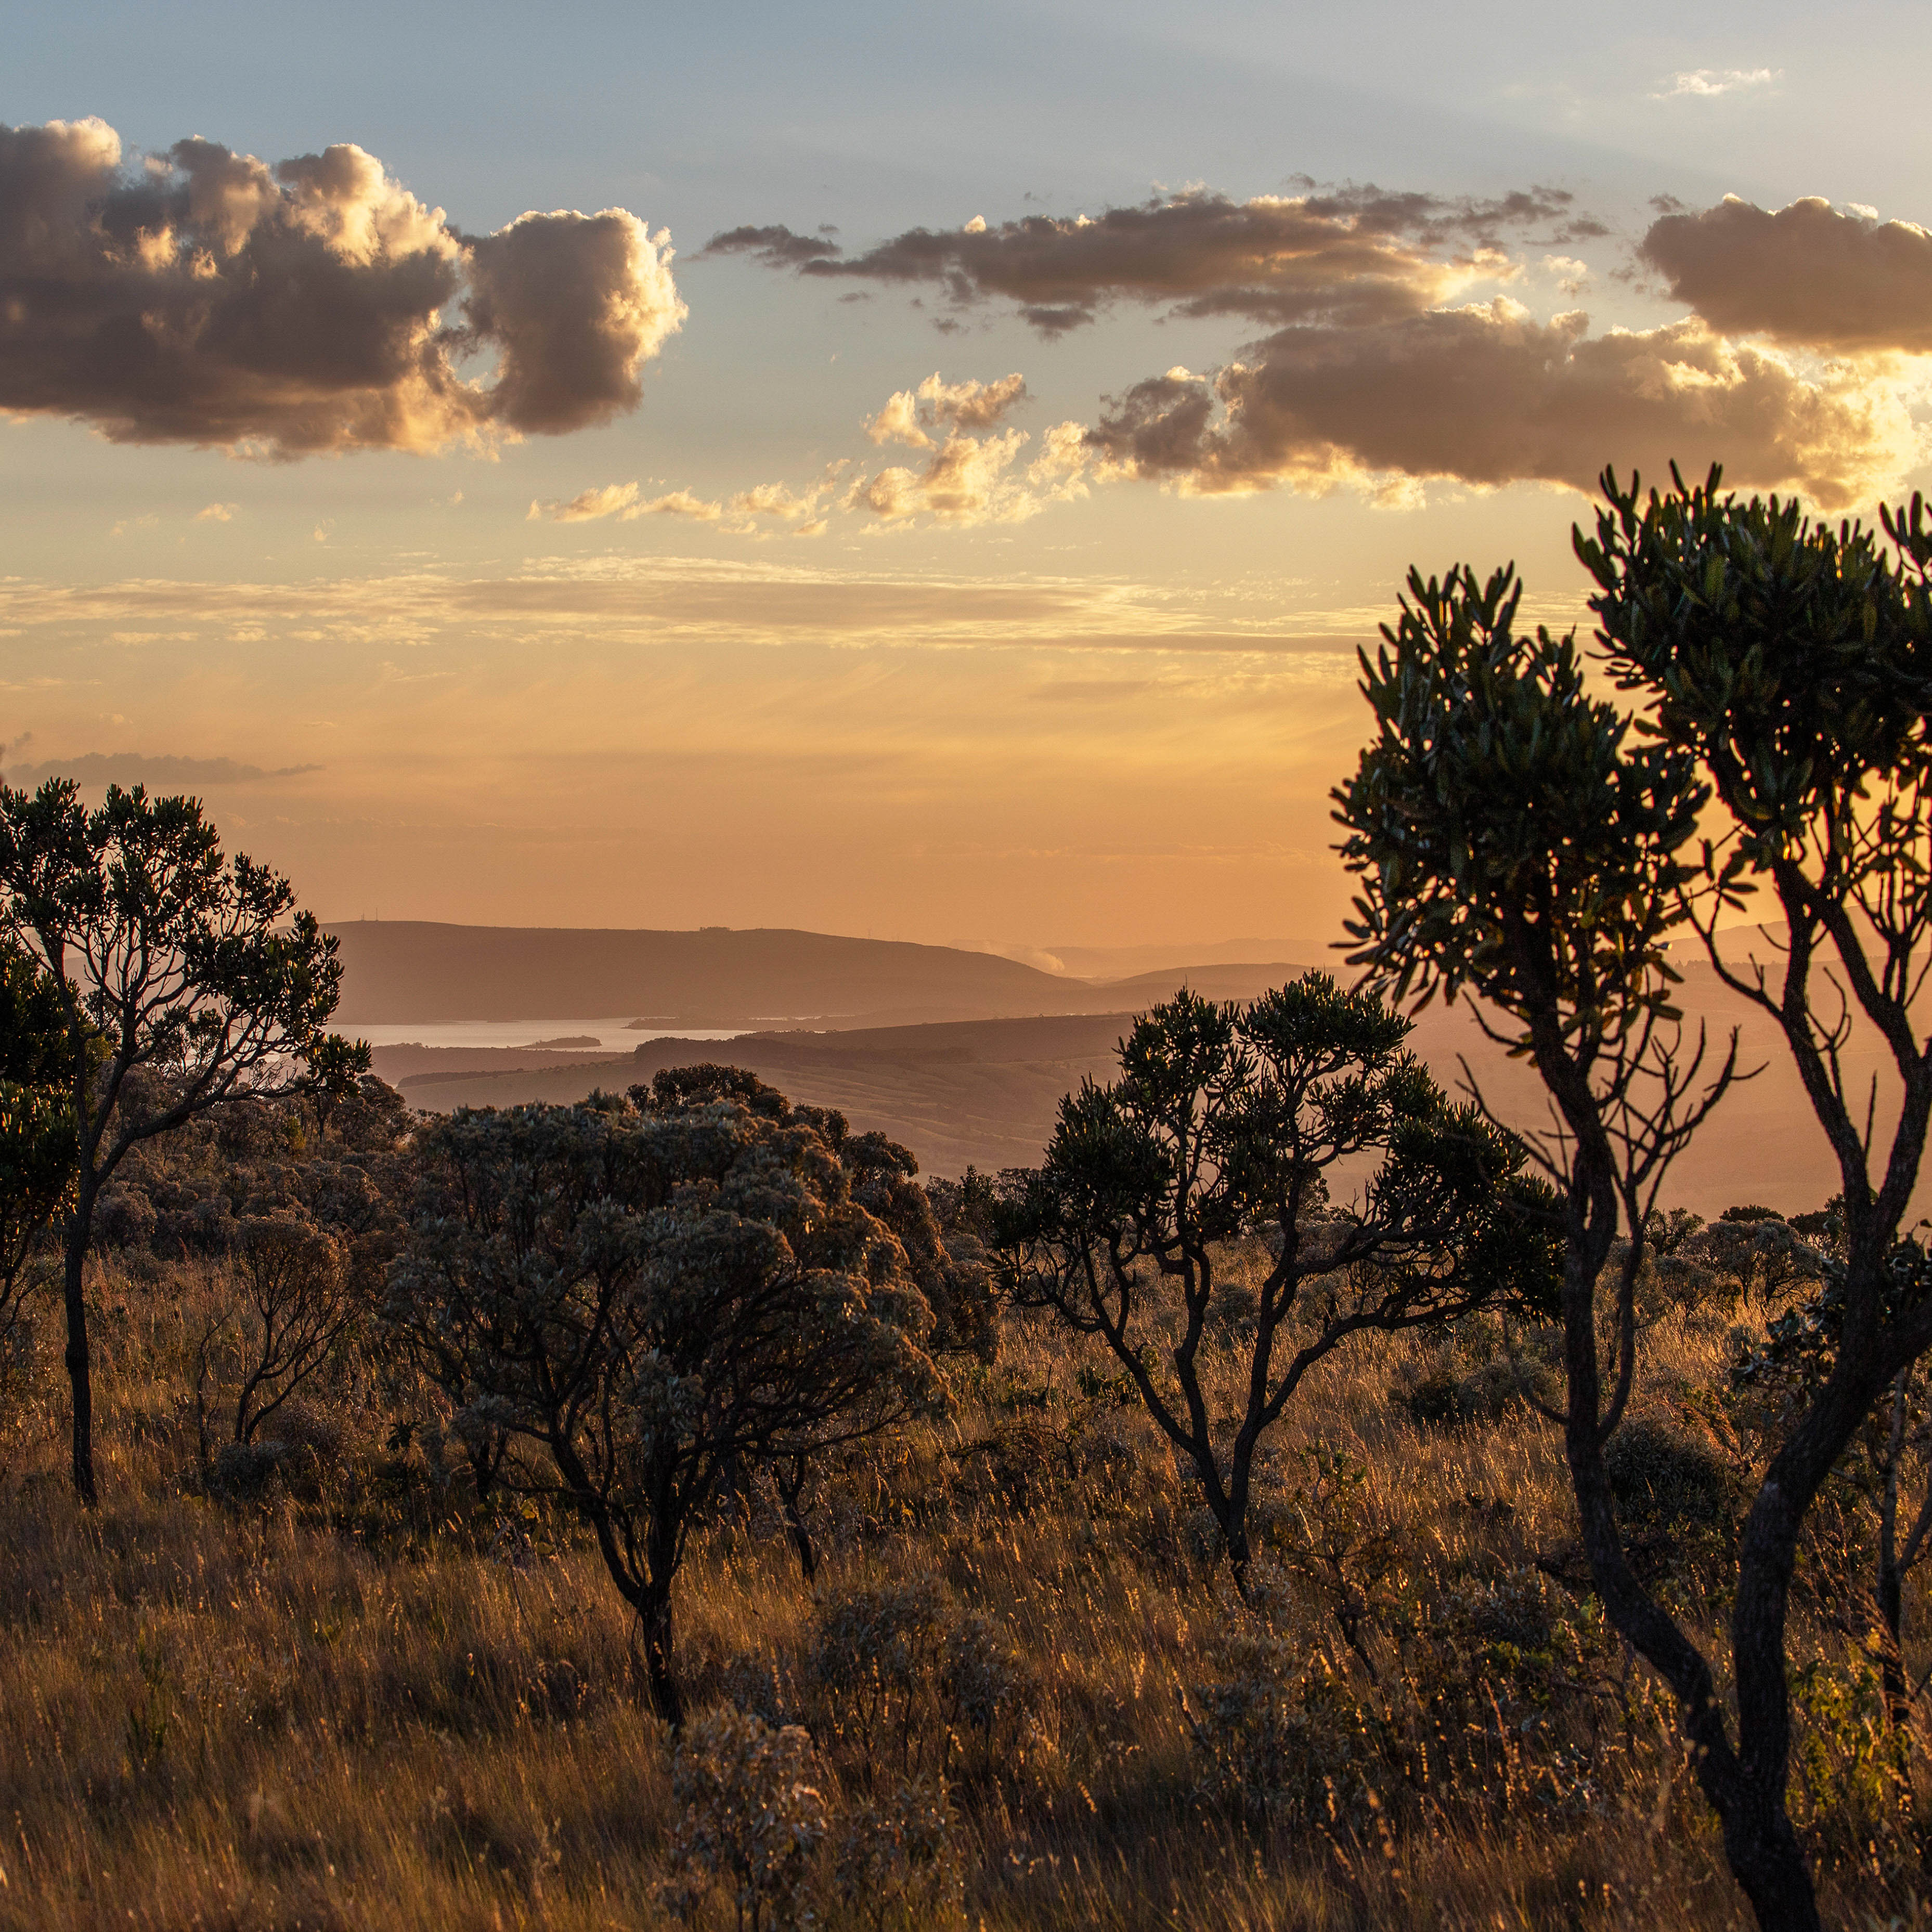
790,1485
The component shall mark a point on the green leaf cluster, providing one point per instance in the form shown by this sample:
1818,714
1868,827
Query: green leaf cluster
1513,835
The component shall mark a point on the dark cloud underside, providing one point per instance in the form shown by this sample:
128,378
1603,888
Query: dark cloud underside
1489,395
1353,257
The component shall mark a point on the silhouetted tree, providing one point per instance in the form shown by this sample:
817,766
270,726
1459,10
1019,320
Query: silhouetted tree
1227,1121
166,955
649,1299
336,1069
1526,843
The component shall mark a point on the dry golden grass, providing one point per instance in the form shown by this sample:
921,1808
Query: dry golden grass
370,1705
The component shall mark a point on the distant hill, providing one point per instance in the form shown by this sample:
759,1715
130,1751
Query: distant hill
399,971
986,1091
1099,963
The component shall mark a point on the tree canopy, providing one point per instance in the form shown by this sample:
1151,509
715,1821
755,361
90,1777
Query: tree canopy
1228,1121
165,955
644,1297
36,1133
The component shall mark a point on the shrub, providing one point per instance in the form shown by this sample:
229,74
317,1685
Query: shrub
1444,1399
907,1675
1662,1477
895,1865
876,1649
1280,1735
751,1816
123,1217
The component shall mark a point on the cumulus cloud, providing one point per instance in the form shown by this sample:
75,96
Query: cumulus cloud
1805,273
1487,394
965,482
1702,82
313,305
910,413
575,305
216,513
1572,276
1348,257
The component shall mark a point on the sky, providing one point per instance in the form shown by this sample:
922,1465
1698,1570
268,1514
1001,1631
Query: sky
914,471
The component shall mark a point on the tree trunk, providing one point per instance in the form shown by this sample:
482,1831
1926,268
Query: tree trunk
1240,1554
660,1682
1763,1853
801,1541
1891,1594
79,1361
791,1495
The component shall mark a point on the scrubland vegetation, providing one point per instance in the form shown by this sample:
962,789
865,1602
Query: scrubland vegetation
1306,1499
312,1679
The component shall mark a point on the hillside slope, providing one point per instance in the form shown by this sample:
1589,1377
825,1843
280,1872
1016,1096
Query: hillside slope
979,1092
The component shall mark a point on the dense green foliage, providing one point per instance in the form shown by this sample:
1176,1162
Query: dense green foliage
652,1299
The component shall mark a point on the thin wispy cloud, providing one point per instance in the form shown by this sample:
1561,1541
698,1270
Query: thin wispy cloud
587,507
93,770
741,512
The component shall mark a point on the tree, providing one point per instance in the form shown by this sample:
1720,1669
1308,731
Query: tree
165,955
298,1303
36,1139
649,1298
1227,1121
336,1067
1788,1369
951,1276
1522,841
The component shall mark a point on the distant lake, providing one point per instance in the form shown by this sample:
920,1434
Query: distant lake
613,1035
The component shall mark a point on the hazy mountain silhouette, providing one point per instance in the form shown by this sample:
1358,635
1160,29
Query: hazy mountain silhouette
397,971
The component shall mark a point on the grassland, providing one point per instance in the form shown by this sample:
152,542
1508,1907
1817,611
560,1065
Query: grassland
359,1699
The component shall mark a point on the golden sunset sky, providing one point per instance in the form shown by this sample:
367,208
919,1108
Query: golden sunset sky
908,470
